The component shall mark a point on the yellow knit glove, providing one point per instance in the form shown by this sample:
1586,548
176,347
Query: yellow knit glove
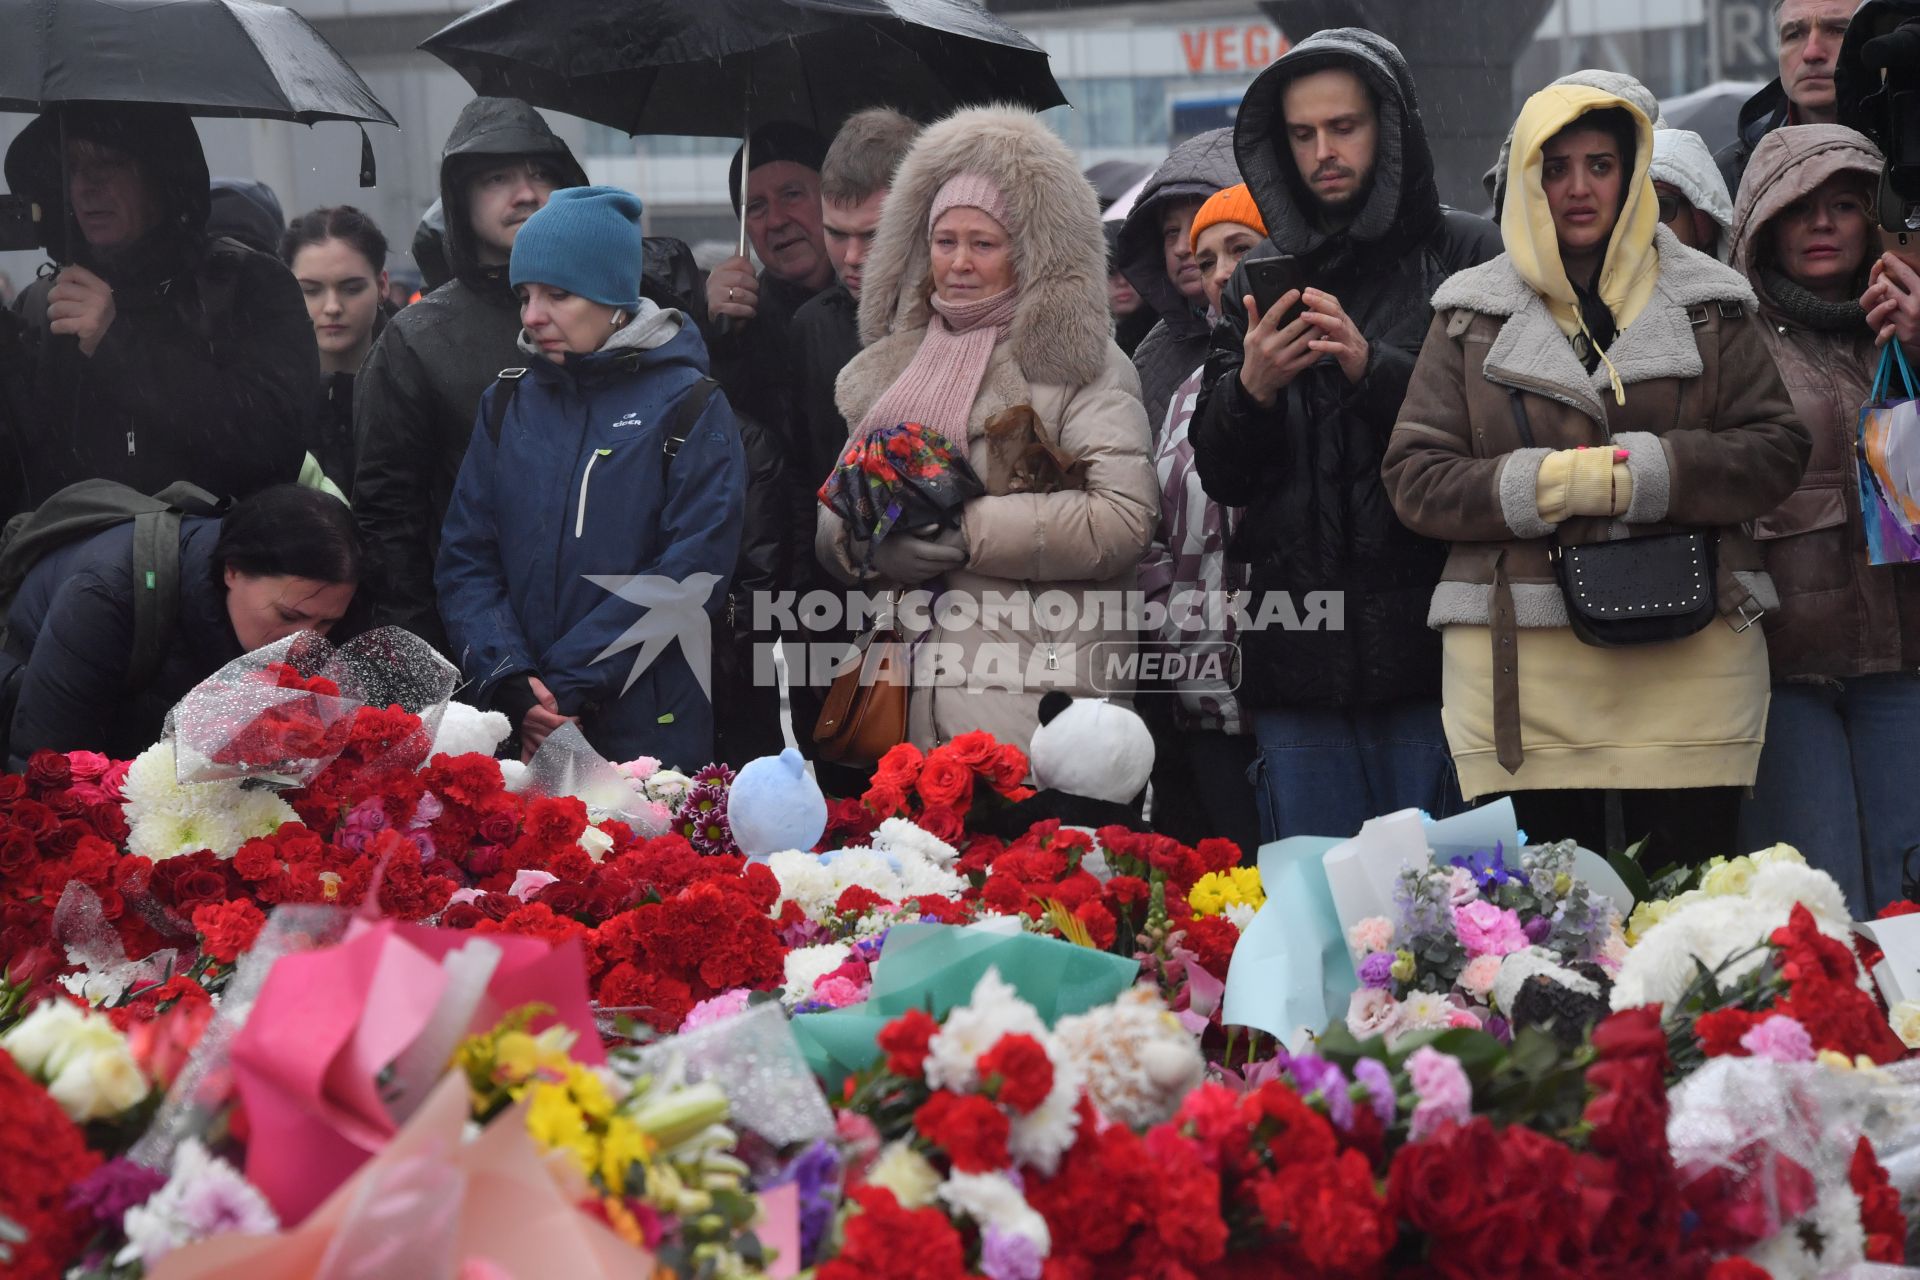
1582,482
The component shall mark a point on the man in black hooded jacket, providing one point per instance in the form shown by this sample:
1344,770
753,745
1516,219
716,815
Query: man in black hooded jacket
416,398
1293,422
158,353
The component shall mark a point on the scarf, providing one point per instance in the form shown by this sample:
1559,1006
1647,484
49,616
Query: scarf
1631,267
938,388
1803,308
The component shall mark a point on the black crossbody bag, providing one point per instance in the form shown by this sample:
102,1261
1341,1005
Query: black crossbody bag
1633,590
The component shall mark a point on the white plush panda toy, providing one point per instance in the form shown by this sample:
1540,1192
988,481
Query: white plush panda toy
1091,760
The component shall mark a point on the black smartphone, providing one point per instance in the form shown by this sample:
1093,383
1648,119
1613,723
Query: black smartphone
1271,279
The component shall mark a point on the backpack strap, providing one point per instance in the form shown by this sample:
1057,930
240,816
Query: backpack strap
680,419
506,383
156,593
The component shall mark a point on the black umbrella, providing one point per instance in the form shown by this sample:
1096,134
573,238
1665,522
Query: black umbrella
213,57
716,68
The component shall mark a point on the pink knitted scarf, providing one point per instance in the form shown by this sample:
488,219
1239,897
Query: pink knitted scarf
938,388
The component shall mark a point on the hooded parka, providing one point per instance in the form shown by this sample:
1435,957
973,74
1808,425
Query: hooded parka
1038,604
1712,442
414,401
576,502
209,366
1177,344
1838,616
1308,470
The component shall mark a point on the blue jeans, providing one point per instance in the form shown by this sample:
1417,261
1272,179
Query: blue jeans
1324,773
1837,781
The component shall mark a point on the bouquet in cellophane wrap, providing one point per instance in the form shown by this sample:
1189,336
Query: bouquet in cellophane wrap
281,714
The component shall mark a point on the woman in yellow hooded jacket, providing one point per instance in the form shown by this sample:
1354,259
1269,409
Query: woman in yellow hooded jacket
1597,381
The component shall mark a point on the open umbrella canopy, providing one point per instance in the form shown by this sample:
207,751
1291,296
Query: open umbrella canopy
213,57
715,68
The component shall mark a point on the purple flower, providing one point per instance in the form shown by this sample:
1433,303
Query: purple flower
1376,971
1500,1029
426,811
1537,929
1373,1076
1488,866
109,1191
805,933
816,1172
1007,1256
1313,1074
364,821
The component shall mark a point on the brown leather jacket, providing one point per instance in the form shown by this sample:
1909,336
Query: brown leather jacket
1838,616
1712,435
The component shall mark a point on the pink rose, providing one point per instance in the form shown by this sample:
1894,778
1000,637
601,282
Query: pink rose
115,778
526,883
1372,1013
1478,977
1486,930
837,992
1443,1091
87,766
716,1009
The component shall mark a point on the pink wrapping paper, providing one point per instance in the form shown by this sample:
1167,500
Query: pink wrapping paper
429,1205
327,1023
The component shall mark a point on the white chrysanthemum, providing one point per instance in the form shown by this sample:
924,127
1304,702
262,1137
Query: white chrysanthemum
668,786
1240,913
992,1200
1039,1138
806,966
166,819
1425,1010
1835,1223
897,835
867,870
1137,1060
994,1010
1661,965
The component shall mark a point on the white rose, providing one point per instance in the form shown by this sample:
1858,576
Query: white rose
99,1086
1906,1023
597,843
35,1038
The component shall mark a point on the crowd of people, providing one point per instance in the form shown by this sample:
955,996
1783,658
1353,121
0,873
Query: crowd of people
1433,440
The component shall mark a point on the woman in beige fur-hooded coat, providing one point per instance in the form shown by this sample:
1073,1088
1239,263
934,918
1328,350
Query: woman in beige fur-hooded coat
1018,616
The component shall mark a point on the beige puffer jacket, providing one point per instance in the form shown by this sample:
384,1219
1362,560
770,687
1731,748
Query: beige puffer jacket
1838,616
1038,605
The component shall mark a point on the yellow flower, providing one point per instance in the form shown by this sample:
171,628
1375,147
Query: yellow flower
1835,1059
556,1122
1403,966
1778,853
1906,1023
589,1091
625,1145
1217,890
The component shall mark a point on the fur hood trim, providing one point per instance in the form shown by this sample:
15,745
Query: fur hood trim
1061,329
1659,343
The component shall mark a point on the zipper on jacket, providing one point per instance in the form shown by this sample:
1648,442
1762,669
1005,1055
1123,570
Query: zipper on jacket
580,516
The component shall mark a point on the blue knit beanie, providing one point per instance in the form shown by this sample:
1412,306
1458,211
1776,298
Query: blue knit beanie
585,240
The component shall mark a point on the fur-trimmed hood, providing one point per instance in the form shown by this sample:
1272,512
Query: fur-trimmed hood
1658,344
1061,330
1790,163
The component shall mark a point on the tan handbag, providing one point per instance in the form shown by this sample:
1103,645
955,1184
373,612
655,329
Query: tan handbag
865,713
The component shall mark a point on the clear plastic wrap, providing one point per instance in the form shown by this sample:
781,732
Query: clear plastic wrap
755,1058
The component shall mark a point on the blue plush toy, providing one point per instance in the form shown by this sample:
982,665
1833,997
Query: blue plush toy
775,804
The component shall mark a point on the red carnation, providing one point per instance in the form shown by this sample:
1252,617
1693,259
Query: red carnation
1880,1215
1018,1072
857,899
1899,908
1719,1032
1212,940
42,1156
970,1129
905,1042
1737,1269
228,928
886,1242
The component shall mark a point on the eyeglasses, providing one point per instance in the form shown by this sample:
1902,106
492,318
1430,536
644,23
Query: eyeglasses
1670,208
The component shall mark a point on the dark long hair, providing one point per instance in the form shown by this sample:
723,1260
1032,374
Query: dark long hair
290,531
336,222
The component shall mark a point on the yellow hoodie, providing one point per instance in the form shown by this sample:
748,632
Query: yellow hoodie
1631,267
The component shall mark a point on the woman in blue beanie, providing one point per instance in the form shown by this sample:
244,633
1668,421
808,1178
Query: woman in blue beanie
597,516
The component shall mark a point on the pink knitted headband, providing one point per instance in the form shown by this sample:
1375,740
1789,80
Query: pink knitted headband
972,191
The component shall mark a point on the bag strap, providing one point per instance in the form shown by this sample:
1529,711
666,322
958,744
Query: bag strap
1883,377
680,419
506,383
156,593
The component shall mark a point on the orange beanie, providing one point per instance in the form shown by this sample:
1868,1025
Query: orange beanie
1230,204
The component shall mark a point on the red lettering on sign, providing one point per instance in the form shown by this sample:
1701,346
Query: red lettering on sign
1258,46
1225,57
1194,45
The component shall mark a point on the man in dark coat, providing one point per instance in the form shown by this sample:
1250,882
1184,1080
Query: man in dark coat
416,398
1292,425
749,315
158,353
1156,256
1810,33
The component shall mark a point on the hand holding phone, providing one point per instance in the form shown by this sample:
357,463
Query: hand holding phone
1271,279
1276,345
